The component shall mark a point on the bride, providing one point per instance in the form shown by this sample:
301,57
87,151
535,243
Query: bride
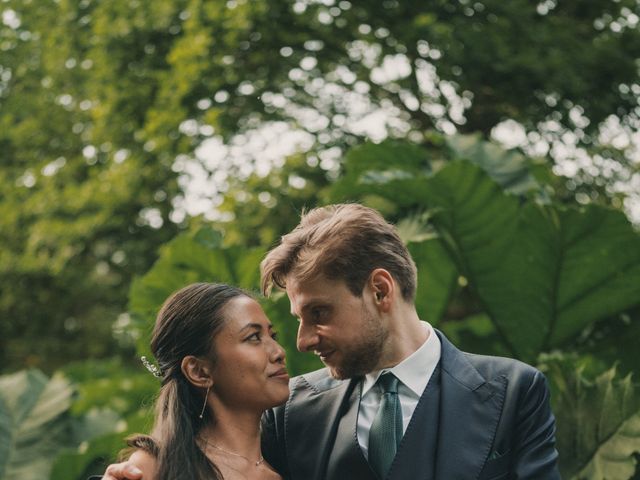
220,367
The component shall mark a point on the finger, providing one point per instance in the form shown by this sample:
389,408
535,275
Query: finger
122,471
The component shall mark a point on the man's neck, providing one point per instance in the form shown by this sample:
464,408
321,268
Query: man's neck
406,335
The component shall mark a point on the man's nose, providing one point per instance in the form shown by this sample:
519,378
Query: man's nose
307,337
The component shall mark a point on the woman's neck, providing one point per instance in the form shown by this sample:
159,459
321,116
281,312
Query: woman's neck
232,442
235,432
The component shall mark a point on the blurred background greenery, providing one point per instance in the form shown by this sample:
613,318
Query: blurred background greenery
148,144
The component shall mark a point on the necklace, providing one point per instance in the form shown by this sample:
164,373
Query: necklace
257,463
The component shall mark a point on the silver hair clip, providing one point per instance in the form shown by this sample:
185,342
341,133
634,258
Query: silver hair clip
155,371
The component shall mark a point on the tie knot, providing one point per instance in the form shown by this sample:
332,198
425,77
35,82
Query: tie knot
388,382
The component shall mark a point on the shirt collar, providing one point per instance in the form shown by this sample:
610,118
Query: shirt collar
414,371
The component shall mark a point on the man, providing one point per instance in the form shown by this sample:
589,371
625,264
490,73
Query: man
397,400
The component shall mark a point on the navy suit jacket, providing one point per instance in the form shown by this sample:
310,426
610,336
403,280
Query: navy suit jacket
495,423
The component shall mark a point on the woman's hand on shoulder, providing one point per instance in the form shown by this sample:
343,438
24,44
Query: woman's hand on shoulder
144,461
140,466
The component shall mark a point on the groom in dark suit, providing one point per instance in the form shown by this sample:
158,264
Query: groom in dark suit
397,400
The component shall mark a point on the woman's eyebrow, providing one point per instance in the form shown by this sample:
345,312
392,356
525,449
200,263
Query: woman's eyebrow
249,326
257,326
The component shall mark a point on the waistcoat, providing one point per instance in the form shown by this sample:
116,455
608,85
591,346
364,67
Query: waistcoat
415,458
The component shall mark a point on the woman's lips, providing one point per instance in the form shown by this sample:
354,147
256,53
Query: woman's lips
280,374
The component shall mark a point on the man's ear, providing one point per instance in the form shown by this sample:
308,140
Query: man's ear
197,371
383,287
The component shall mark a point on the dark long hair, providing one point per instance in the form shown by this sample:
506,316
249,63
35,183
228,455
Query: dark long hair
186,325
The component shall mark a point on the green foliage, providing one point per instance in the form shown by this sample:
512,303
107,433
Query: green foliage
396,171
113,401
99,99
509,168
189,258
70,427
34,423
437,278
514,60
542,273
111,385
598,420
94,449
261,208
78,184
620,334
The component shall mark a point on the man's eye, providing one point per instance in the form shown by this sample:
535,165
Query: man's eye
253,337
275,335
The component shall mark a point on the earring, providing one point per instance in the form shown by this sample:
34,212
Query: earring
204,405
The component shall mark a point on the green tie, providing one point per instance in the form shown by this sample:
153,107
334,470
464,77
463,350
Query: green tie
386,429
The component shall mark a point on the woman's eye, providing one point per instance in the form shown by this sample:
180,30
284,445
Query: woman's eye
254,337
274,335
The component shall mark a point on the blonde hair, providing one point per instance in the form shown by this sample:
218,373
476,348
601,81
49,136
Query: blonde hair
343,242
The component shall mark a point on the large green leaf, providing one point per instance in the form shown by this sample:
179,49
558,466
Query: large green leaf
615,458
598,421
509,168
437,273
600,275
94,452
34,424
114,400
111,385
478,223
396,170
475,333
437,279
391,170
542,273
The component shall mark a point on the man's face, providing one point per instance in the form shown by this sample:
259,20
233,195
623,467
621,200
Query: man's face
345,331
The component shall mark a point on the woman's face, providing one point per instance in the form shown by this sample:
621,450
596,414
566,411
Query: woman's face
250,364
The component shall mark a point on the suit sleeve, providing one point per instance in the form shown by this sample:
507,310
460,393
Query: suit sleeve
535,454
272,435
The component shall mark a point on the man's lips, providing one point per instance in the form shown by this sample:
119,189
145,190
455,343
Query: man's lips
325,355
280,374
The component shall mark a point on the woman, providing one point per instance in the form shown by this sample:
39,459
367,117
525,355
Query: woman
221,367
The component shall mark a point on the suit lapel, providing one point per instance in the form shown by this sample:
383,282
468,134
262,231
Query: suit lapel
420,439
311,422
346,459
469,415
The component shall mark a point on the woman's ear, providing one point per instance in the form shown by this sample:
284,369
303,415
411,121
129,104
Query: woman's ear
197,371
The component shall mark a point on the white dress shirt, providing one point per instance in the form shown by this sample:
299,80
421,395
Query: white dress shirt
414,373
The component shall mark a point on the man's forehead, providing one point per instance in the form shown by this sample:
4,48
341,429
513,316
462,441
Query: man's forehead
317,285
305,293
